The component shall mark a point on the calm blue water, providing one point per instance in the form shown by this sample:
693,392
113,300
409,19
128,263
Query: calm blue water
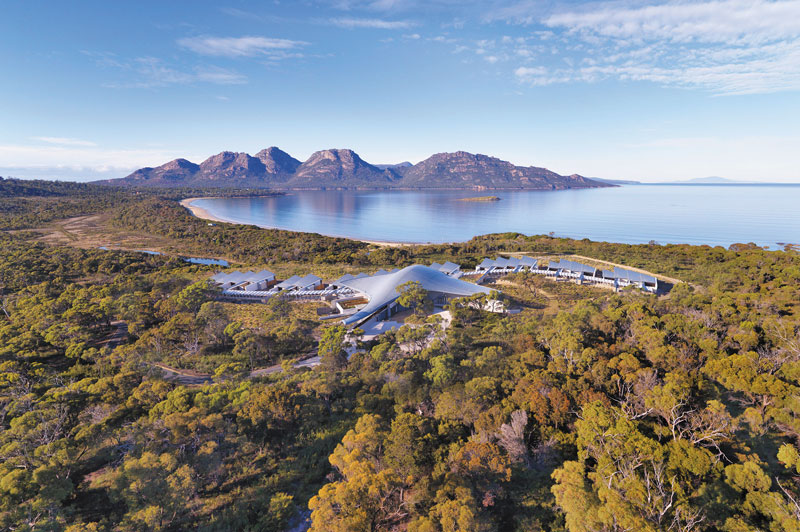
193,260
694,214
206,262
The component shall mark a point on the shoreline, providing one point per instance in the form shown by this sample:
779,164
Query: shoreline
203,214
200,212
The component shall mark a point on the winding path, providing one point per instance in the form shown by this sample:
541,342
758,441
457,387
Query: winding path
194,378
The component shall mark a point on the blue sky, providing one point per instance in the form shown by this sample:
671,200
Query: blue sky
625,89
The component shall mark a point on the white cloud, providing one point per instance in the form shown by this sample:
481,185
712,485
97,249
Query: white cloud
538,76
372,23
388,5
76,162
248,46
723,46
239,13
729,21
151,72
396,6
529,72
64,141
218,76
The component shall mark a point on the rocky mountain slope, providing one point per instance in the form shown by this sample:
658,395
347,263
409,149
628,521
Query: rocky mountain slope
466,170
343,168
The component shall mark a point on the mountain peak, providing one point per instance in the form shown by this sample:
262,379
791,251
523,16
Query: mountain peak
172,171
228,164
178,163
277,161
341,167
225,157
346,156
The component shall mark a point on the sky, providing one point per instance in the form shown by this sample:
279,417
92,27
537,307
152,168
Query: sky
628,89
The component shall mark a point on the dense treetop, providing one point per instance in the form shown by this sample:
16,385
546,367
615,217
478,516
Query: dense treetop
587,411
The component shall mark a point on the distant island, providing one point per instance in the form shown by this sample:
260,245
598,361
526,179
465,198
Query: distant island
480,198
711,180
340,169
616,181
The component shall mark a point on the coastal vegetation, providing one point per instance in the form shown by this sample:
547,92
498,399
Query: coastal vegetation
588,410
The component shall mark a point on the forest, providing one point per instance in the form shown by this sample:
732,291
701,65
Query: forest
587,411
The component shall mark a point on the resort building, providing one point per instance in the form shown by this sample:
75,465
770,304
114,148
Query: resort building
380,291
502,265
568,266
245,281
295,282
566,269
338,282
448,268
260,286
625,277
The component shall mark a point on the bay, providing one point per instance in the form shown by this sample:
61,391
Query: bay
695,214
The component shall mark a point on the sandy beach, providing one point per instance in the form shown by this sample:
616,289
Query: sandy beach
388,244
199,211
203,214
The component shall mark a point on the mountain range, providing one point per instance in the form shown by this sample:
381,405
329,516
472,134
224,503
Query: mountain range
343,169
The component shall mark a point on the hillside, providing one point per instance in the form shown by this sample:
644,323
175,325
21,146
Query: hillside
340,168
344,168
466,170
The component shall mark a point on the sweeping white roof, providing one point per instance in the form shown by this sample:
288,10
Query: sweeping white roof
343,278
382,289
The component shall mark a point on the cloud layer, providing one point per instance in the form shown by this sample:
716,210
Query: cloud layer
722,46
151,73
372,23
725,21
74,159
248,46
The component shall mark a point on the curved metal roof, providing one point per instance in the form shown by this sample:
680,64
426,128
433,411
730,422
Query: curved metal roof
382,289
572,266
634,277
